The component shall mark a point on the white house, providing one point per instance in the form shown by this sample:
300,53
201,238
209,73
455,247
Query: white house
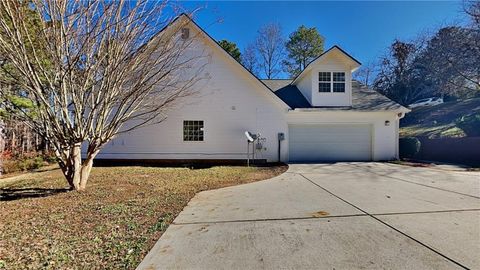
322,115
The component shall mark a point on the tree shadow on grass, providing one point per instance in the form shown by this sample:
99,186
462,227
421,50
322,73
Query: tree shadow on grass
11,194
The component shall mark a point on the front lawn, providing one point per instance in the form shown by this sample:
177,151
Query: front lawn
112,225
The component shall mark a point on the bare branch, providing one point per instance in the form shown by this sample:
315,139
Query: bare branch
95,69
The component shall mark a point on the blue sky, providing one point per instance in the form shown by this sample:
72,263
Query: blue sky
364,29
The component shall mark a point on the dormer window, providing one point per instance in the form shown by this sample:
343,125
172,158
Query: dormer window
329,82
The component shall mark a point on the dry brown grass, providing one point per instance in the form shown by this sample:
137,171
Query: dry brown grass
112,225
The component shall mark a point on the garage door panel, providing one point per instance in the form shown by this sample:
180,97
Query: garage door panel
326,137
328,154
333,146
329,142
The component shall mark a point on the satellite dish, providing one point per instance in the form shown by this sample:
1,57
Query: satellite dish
249,136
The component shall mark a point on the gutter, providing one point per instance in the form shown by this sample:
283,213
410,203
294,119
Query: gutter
402,110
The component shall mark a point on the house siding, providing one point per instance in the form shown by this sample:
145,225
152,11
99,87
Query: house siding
233,101
305,85
331,64
230,103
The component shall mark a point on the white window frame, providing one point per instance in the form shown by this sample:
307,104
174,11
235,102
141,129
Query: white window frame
332,82
202,129
322,81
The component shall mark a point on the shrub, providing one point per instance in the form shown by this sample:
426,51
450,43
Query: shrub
11,165
50,158
28,164
470,124
409,147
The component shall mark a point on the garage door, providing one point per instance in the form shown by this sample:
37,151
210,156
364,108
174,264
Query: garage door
330,143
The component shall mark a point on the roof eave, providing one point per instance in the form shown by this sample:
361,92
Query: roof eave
404,110
399,110
355,63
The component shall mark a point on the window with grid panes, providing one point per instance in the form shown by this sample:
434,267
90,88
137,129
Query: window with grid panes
193,131
324,81
338,82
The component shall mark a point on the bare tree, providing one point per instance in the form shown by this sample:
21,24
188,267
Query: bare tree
396,78
472,9
270,46
97,69
365,74
249,59
452,60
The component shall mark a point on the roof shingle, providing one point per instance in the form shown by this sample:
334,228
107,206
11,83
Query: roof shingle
363,98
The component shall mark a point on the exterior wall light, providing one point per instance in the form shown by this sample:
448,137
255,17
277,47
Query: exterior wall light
387,123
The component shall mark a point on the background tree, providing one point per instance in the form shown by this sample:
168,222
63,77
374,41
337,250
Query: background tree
303,45
444,63
18,141
451,61
269,45
231,48
395,78
110,71
472,9
249,59
366,74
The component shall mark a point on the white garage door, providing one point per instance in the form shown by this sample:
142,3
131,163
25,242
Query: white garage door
330,142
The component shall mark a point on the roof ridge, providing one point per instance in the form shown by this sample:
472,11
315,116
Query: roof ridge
324,53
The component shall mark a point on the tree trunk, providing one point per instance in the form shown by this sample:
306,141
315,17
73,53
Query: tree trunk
85,170
77,172
12,143
77,166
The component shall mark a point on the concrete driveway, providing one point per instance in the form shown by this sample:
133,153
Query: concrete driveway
330,216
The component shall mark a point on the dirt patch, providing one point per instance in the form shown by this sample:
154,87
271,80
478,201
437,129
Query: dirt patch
412,163
112,225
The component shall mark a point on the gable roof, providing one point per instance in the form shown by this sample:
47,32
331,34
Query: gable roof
363,98
321,56
285,93
243,68
289,93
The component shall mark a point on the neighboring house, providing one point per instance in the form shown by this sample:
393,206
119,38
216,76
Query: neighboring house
322,114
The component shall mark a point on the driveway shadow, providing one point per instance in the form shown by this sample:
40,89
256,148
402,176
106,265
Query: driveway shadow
11,194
